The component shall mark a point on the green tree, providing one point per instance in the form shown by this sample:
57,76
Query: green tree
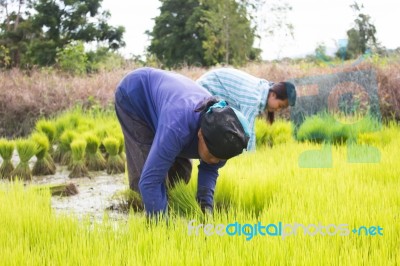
362,37
102,59
203,32
176,37
229,34
320,53
72,58
46,26
14,28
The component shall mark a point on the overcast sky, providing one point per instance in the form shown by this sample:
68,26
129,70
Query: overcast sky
314,21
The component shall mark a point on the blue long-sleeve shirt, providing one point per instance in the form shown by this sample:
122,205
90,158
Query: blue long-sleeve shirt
166,101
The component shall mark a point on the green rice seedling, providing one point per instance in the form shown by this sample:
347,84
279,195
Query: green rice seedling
281,132
101,133
94,159
64,149
73,118
68,122
83,128
339,133
44,164
182,200
261,130
61,124
78,165
49,129
115,164
26,149
331,216
6,152
335,129
371,138
314,129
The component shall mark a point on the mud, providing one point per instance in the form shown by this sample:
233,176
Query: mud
96,194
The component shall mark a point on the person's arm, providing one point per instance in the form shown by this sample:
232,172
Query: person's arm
166,146
207,179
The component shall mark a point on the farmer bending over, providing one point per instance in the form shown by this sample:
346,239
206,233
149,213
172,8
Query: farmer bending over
248,94
167,119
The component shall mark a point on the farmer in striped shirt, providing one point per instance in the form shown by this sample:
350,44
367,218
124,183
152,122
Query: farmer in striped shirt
249,94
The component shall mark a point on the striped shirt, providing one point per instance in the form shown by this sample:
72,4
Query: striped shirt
242,91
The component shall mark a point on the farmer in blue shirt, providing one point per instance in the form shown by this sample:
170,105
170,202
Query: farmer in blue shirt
167,119
250,95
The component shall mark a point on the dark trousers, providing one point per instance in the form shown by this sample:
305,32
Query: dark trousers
138,140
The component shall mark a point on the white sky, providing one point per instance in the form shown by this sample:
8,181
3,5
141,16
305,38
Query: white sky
315,21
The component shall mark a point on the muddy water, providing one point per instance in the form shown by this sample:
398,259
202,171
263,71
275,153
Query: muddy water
95,194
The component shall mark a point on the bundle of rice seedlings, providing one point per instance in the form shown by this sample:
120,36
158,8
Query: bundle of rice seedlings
44,164
61,124
78,165
115,164
101,133
121,146
182,200
26,149
49,129
94,159
62,190
6,152
63,153
128,199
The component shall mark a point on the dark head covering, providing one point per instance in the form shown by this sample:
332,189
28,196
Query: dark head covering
225,131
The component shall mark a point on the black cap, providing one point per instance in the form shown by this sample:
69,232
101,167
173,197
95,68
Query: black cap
223,133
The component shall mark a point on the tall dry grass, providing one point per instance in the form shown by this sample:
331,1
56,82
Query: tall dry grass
24,97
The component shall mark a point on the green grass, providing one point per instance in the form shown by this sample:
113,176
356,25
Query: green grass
267,186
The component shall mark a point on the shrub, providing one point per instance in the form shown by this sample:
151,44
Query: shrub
72,58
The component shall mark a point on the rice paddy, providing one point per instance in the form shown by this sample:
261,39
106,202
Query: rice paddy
345,212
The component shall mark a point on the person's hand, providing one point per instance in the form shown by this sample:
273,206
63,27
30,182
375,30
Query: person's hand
207,210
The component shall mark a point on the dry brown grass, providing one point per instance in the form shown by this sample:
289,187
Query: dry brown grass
24,97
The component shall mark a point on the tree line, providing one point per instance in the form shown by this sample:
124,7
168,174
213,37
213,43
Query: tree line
33,32
186,32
